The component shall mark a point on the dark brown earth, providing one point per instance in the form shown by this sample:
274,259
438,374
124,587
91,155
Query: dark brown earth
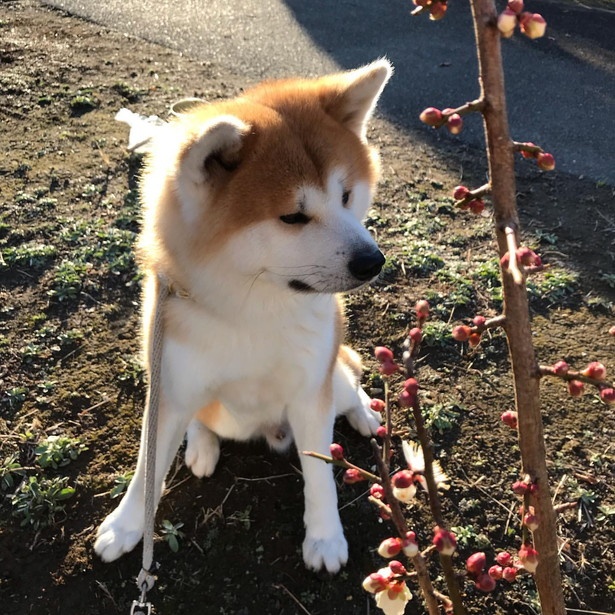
69,299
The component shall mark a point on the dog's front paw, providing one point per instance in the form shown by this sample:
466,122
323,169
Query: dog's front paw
365,420
202,449
329,553
118,534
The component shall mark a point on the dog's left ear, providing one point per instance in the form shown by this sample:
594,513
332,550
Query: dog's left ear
352,96
214,149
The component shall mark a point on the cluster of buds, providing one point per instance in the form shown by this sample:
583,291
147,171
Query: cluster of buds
532,25
525,486
529,518
435,8
506,567
386,359
447,117
544,160
388,585
472,335
390,547
467,201
595,372
527,258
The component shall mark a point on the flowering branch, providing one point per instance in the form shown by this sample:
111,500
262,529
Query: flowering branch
451,118
402,529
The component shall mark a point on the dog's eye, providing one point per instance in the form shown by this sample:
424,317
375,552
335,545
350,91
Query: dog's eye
297,218
345,197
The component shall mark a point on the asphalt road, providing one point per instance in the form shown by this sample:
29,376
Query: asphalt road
561,89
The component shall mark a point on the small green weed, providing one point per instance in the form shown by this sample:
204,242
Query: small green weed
37,502
68,280
58,451
10,471
421,260
441,417
437,333
15,397
171,534
553,286
121,483
33,255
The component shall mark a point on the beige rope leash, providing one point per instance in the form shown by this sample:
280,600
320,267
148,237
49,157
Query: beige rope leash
147,578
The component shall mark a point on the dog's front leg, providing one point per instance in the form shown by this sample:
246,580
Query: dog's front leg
123,528
324,545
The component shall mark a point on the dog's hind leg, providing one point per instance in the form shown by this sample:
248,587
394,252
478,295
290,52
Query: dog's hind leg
202,444
348,396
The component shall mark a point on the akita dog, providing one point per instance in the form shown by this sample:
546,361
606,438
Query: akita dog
253,213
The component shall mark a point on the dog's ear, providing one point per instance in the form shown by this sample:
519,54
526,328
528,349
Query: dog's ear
351,97
214,149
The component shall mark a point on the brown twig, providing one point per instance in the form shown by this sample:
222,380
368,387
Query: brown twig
343,463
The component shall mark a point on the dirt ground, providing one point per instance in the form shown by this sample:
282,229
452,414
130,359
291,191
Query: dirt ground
69,296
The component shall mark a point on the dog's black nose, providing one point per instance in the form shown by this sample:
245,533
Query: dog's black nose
365,266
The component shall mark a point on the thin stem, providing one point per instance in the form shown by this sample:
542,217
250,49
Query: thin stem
343,463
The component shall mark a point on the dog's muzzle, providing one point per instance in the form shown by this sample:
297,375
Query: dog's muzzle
365,266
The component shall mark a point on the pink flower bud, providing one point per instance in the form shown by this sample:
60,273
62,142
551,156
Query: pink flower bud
337,451
403,479
422,309
479,321
528,557
404,488
485,583
595,370
351,476
416,335
519,488
377,405
454,124
410,546
527,257
407,400
411,385
545,161
388,368
495,572
476,206
431,116
462,333
533,25
533,488
612,331
507,22
515,5
375,583
475,564
381,432
530,520
397,567
510,418
437,10
509,574
377,491
382,354
504,558
474,340
560,368
607,395
461,192
444,541
390,547
575,388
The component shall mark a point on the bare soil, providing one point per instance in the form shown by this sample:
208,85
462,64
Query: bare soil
69,296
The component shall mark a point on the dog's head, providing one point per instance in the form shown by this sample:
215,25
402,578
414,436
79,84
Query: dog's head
272,186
